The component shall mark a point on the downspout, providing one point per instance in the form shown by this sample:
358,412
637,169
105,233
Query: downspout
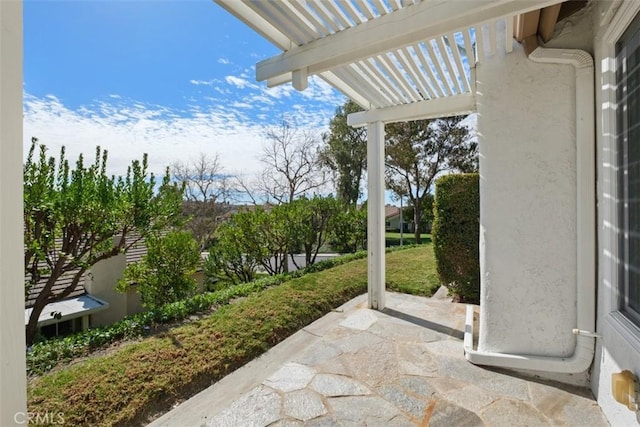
583,352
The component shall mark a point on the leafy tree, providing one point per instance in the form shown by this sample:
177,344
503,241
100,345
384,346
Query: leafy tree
310,224
426,209
349,230
74,218
260,237
207,189
292,168
419,151
165,273
345,153
234,256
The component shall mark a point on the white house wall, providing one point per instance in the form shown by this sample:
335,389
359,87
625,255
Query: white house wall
619,348
527,138
101,282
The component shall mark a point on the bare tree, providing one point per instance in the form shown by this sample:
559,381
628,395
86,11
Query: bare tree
207,192
292,166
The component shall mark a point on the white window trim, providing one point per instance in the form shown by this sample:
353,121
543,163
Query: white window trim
623,17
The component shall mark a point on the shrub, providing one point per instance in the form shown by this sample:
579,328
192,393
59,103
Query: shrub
45,355
165,273
456,234
349,231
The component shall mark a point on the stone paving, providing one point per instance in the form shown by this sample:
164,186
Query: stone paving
401,367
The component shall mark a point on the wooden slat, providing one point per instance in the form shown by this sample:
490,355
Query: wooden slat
479,43
440,72
493,38
527,25
353,12
449,65
382,10
427,67
299,33
468,47
508,37
335,9
453,45
411,59
365,8
313,20
320,10
353,78
530,44
375,67
410,94
547,23
409,71
389,97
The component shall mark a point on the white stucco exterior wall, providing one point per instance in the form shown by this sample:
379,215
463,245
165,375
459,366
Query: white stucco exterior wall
101,282
13,382
528,239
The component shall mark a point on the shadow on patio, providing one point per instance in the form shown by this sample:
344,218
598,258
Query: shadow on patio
403,366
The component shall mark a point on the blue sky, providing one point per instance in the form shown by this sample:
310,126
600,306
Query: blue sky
170,78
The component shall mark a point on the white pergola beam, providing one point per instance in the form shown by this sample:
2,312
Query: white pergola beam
422,21
346,89
253,19
375,216
429,109
13,371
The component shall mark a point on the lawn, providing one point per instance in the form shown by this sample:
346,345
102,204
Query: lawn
142,379
393,239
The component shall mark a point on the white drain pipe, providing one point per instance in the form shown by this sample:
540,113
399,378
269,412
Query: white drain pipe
582,355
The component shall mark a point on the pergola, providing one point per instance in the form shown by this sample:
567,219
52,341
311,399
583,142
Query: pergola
400,60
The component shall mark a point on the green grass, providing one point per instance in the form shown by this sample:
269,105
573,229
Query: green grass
393,239
137,380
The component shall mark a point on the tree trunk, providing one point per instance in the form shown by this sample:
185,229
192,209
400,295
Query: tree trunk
417,216
32,326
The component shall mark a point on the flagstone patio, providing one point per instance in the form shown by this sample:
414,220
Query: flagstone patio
403,366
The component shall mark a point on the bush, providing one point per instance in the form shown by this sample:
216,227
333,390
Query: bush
349,231
456,235
45,355
165,273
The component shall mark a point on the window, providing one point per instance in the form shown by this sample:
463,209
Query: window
628,148
61,329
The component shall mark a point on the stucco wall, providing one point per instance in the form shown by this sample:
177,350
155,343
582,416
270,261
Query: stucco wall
619,348
526,126
101,282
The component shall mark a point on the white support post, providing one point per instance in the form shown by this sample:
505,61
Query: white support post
13,382
375,214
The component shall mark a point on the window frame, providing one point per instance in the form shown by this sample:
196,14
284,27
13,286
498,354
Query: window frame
626,44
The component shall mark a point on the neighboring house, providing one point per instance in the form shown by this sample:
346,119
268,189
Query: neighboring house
66,316
557,90
95,301
392,219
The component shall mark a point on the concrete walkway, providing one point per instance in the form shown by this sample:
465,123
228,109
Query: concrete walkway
400,367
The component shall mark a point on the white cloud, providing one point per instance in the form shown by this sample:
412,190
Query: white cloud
239,82
224,61
128,131
202,82
228,120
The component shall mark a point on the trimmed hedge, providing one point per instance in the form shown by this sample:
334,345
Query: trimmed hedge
456,234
